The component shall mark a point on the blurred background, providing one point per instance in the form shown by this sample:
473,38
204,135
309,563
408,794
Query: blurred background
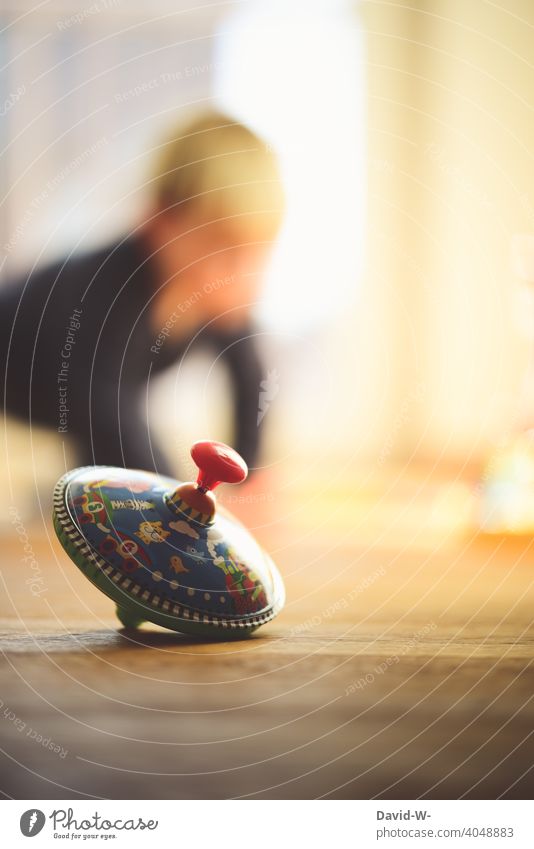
396,317
395,489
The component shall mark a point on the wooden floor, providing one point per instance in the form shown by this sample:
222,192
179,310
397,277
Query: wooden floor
402,667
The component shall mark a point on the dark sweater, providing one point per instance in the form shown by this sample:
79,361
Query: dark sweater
77,351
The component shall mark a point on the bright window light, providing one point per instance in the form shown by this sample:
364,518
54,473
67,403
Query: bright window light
293,72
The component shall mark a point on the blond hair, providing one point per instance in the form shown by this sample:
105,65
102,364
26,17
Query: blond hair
223,170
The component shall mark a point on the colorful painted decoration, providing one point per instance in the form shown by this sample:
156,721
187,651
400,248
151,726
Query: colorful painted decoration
163,552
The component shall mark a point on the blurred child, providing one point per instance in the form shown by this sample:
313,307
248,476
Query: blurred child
82,338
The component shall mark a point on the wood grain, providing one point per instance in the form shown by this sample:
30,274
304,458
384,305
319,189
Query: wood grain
402,667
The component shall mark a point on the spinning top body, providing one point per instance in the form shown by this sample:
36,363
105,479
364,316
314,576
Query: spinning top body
163,551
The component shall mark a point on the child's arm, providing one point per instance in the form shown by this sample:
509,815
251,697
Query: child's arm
242,356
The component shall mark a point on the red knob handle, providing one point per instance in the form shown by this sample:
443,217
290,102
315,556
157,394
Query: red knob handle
217,463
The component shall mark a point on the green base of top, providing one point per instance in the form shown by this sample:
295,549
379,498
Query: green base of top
131,613
128,617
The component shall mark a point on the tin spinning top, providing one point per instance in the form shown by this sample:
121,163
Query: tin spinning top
163,551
